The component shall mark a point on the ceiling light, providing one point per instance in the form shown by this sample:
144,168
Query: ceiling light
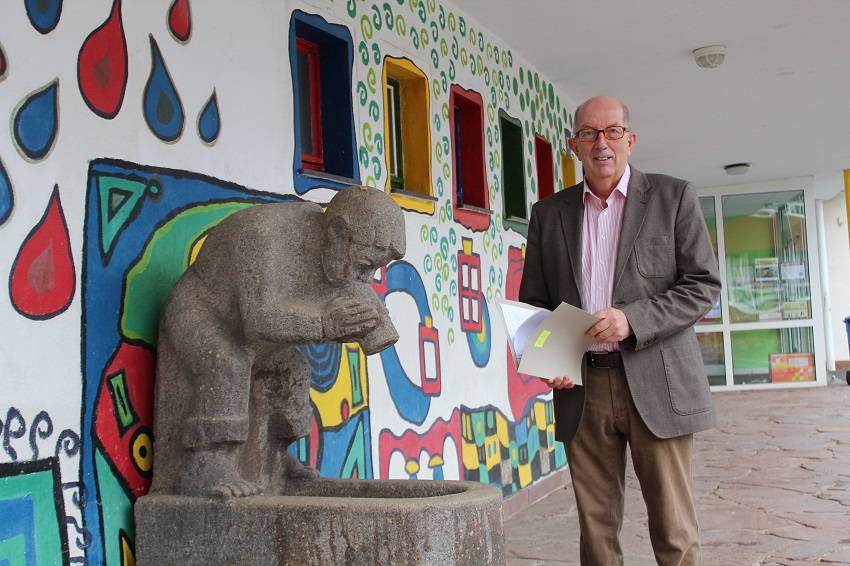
710,57
737,168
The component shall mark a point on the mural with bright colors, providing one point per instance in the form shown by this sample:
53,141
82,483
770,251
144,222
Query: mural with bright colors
157,121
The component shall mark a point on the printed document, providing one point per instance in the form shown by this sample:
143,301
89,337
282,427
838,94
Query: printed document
546,343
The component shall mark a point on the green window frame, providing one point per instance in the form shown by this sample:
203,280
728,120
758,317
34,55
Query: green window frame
396,145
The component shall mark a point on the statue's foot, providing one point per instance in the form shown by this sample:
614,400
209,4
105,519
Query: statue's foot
240,488
213,472
295,470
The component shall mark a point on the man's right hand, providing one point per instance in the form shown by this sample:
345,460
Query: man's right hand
560,382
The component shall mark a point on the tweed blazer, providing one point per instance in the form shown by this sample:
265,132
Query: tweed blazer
665,280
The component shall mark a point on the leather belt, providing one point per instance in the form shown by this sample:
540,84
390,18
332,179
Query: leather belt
604,360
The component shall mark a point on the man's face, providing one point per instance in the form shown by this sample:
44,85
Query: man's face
604,160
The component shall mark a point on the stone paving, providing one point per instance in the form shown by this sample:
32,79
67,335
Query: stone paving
772,486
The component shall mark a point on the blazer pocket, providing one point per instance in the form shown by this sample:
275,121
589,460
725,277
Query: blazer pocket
654,257
687,383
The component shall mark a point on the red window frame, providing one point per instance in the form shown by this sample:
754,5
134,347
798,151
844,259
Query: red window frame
312,159
469,173
545,167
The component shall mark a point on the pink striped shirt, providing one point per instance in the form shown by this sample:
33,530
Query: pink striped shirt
600,236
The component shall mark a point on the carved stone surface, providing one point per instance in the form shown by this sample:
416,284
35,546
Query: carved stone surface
232,393
328,522
232,389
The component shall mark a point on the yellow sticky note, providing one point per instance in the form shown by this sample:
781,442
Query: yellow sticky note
542,339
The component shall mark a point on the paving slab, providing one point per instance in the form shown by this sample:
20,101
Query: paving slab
771,482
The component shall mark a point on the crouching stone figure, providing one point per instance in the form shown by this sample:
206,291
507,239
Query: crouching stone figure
232,388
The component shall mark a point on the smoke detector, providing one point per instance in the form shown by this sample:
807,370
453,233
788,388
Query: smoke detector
710,57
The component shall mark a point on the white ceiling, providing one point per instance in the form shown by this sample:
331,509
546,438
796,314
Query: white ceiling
780,101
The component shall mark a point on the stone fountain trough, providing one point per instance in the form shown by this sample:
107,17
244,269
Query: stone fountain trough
327,522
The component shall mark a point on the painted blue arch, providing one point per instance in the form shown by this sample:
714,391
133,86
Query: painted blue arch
411,403
479,348
324,360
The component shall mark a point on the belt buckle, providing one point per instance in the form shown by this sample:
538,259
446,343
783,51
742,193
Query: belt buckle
595,359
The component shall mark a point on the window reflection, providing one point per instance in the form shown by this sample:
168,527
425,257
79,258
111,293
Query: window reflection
766,257
776,355
710,215
713,357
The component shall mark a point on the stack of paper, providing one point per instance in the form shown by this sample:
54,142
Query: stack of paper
546,343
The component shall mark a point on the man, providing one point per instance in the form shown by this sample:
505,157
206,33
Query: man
633,249
232,388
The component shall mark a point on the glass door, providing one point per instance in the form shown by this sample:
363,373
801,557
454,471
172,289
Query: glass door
762,331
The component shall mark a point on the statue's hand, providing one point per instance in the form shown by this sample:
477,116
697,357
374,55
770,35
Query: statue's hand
347,319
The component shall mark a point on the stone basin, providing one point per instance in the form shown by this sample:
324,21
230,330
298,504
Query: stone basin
327,522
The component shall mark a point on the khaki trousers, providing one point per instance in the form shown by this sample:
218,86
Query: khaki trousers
597,461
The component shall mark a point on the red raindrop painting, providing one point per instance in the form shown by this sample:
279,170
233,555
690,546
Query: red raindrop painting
3,65
102,66
180,20
42,281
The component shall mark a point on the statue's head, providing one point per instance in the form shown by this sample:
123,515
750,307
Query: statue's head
364,231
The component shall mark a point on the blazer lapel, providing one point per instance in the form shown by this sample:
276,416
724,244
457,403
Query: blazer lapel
633,216
571,223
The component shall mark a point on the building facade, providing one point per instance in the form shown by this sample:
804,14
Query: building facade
136,127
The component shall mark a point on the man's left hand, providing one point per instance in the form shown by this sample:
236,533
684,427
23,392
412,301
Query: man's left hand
613,327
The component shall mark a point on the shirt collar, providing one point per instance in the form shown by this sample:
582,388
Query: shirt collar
622,185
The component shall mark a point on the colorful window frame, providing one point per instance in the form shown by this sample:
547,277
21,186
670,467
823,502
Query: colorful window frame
395,140
569,164
513,174
408,121
545,167
333,98
470,196
309,105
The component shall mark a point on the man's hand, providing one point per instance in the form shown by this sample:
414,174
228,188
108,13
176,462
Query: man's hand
347,319
613,327
560,382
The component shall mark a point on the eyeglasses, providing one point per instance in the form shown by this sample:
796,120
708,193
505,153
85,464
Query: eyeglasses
611,133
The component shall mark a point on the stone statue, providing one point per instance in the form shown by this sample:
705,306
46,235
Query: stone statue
232,389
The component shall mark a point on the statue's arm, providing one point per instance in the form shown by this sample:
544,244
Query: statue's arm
283,321
339,320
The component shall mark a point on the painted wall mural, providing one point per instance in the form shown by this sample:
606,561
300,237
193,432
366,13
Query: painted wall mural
102,66
36,122
42,280
106,196
44,15
4,67
7,197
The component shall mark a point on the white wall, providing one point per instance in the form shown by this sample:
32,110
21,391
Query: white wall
838,257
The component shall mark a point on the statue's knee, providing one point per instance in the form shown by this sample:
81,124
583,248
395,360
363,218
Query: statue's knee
203,432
